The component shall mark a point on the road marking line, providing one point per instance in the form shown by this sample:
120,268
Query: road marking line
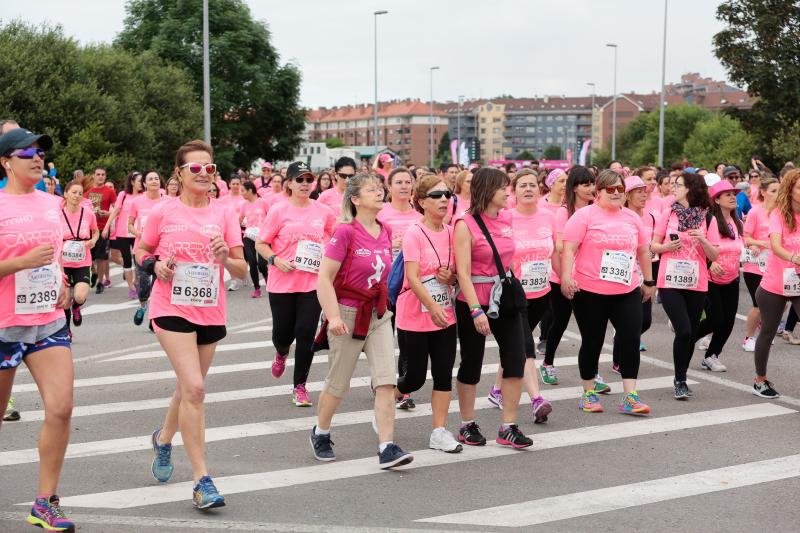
336,471
592,502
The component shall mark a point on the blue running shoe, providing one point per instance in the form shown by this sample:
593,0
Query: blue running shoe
322,446
393,456
206,496
46,513
162,462
138,318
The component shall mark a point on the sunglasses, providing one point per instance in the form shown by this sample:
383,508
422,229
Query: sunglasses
615,188
436,195
197,168
304,179
27,153
345,176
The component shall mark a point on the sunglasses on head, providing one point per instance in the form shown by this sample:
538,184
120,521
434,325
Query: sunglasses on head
615,188
197,168
27,153
344,176
436,195
304,179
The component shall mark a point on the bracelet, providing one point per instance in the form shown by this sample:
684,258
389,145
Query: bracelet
473,307
476,313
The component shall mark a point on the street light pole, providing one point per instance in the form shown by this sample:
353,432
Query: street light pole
458,138
661,99
614,106
591,128
206,78
431,117
375,110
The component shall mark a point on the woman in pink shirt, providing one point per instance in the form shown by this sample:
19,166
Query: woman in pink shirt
292,239
535,236
723,287
602,244
477,307
556,184
353,293
426,323
398,214
234,199
686,240
252,214
186,243
462,190
80,236
121,239
345,168
174,187
140,208
781,281
754,259
33,296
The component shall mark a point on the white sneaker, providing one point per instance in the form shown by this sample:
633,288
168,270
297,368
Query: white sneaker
235,285
703,343
713,364
441,439
749,344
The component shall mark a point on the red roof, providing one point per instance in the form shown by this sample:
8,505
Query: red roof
363,112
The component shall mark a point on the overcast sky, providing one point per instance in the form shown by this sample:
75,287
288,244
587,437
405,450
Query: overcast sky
483,47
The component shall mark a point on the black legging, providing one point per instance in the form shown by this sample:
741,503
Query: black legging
125,245
295,316
647,321
144,284
683,307
508,331
562,311
791,320
720,315
255,262
531,316
418,346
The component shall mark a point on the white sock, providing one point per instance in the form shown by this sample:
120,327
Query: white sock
318,431
382,446
465,422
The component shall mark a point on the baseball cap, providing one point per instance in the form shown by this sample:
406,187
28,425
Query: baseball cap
22,138
633,182
296,169
266,164
730,170
385,158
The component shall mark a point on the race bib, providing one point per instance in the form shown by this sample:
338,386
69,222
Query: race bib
616,266
441,294
251,233
73,252
682,274
142,220
791,282
755,259
535,275
36,289
195,284
308,256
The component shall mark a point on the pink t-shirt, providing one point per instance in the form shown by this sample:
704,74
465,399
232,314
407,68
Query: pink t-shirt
502,233
756,226
333,199
666,203
222,186
544,204
654,205
233,201
27,221
287,225
790,240
730,251
78,229
369,258
123,204
174,228
399,221
691,250
559,220
411,314
274,199
140,208
253,213
265,192
463,204
608,241
535,236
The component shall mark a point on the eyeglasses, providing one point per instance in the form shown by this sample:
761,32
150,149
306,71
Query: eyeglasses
197,168
304,179
345,176
733,176
27,153
212,191
436,195
615,188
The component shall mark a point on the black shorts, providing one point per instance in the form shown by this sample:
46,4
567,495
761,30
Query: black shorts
77,275
176,324
100,250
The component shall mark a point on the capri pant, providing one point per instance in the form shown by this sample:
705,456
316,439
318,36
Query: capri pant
723,301
254,261
771,306
562,311
534,313
295,316
683,307
418,346
124,245
752,281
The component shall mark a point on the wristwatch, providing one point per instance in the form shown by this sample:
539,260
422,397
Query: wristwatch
271,259
651,283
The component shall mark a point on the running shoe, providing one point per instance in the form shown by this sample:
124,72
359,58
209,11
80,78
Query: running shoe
392,456
702,344
642,347
615,368
781,327
256,294
11,414
441,439
713,364
77,317
541,347
470,434
99,289
749,344
549,374
132,293
765,390
681,390
541,408
495,397
590,403
205,494
405,402
632,405
279,365
300,396
512,436
789,337
46,513
235,285
600,385
138,317
322,446
107,283
162,462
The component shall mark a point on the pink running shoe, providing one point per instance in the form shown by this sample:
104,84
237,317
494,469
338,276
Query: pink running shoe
107,283
300,396
132,294
279,365
541,408
256,294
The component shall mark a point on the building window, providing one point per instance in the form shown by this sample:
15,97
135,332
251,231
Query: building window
559,118
483,120
496,131
496,119
483,130
549,118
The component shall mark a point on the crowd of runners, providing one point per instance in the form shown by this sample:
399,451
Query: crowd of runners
359,255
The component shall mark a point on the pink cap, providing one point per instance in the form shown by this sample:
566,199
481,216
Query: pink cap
266,164
721,187
634,182
553,176
385,158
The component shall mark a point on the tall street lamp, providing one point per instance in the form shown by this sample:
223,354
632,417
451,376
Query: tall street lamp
206,79
431,117
614,106
375,109
458,128
661,99
594,92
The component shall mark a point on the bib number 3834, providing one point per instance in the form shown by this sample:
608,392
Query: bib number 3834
534,275
682,274
36,290
195,284
308,256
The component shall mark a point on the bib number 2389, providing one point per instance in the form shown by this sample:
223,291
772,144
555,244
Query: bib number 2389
195,284
36,290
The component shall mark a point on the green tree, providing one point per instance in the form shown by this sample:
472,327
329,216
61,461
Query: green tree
552,152
601,158
786,144
637,143
102,106
720,138
255,109
524,155
333,142
443,155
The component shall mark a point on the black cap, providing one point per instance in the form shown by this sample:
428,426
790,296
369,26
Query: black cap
22,138
727,171
296,169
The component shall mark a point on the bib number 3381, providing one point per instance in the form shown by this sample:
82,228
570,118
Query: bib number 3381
616,266
195,284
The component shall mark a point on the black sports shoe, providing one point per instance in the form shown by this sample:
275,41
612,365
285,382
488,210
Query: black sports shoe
405,403
93,279
322,446
99,288
681,390
765,390
392,456
513,437
470,434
